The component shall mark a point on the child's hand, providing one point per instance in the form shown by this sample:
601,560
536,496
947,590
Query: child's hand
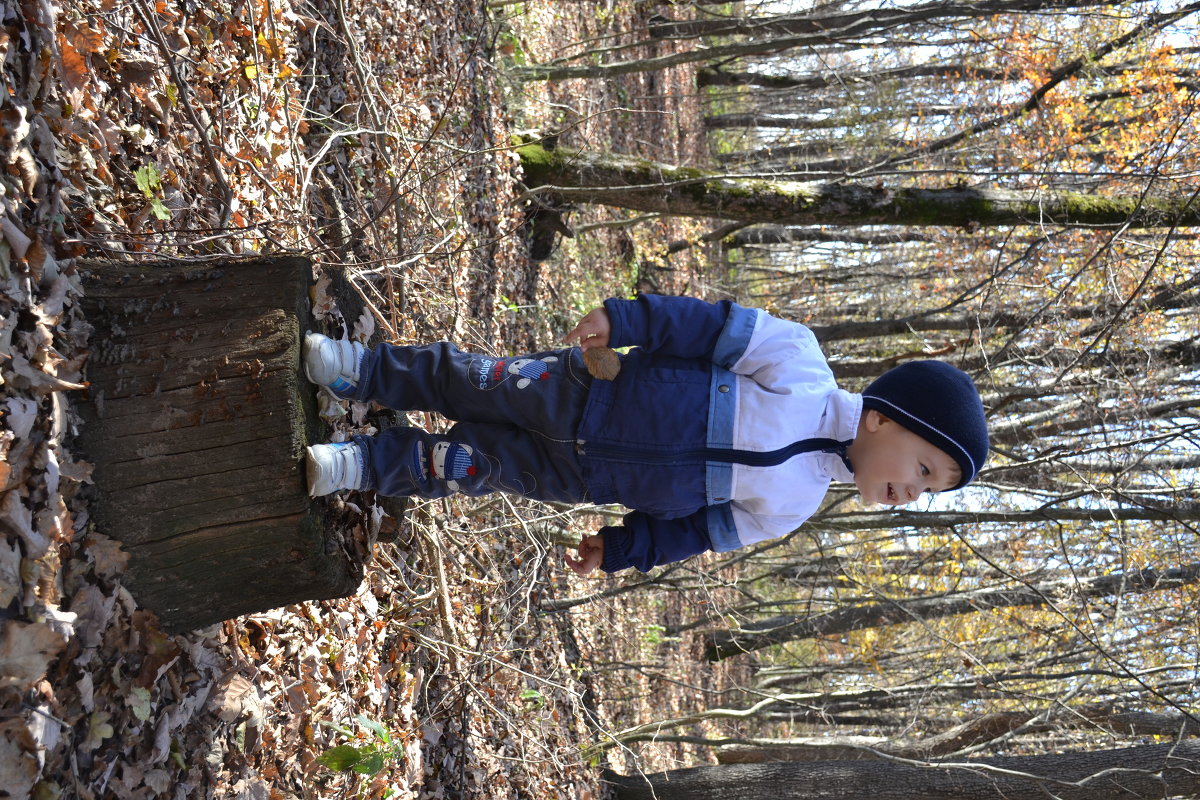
592,331
591,554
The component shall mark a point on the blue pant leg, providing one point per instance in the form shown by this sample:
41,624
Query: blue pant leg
543,392
474,459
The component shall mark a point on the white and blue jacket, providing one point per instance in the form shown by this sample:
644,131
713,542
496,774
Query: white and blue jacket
703,382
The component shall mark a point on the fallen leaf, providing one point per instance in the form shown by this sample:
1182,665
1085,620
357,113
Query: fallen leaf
78,471
59,621
18,519
107,555
95,611
86,689
18,762
230,697
98,731
86,37
160,781
10,572
45,728
21,415
139,703
364,327
15,237
39,381
74,72
26,649
25,166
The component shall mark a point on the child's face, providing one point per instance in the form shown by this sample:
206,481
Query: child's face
894,466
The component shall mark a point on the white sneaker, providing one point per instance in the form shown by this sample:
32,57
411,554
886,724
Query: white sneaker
332,362
331,467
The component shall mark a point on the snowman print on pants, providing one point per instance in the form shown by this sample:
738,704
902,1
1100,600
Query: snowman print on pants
489,373
531,369
449,462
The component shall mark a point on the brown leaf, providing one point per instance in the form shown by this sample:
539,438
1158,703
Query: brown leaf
10,572
602,362
18,759
23,164
84,36
230,697
26,649
15,517
74,73
110,559
16,237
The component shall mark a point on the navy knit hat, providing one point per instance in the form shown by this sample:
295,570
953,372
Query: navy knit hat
940,404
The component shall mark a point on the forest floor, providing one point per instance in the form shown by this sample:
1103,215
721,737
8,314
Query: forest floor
368,137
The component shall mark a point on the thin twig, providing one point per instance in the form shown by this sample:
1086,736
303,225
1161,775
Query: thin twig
185,99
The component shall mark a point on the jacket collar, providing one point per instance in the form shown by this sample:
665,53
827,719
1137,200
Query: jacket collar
840,422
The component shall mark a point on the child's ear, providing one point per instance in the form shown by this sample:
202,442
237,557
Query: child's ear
874,420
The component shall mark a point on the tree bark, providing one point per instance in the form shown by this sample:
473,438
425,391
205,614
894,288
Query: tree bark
809,122
1133,773
774,234
1165,298
721,644
973,732
826,28
196,423
874,521
645,185
710,76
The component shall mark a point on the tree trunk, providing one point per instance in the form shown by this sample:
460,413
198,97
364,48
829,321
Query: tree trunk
826,28
854,119
971,733
1166,298
196,424
712,76
774,234
757,635
887,520
645,185
1133,773
715,76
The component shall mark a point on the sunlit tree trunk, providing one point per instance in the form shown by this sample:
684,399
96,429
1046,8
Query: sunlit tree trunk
644,185
1135,773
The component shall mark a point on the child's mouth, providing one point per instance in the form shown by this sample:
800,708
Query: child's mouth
891,495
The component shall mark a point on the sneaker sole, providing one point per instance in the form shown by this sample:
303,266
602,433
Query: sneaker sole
311,471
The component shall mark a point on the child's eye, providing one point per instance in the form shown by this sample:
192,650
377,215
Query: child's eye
924,471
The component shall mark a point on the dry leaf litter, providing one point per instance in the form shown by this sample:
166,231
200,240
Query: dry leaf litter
164,131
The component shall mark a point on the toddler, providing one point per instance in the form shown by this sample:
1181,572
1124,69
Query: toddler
723,427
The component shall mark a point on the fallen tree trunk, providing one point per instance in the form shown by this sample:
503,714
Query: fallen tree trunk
574,176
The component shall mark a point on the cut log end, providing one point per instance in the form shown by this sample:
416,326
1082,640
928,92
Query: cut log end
196,421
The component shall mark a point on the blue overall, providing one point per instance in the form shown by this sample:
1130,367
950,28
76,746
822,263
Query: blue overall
723,428
517,420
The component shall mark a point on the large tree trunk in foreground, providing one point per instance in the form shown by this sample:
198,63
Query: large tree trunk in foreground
644,185
197,422
757,635
1134,773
